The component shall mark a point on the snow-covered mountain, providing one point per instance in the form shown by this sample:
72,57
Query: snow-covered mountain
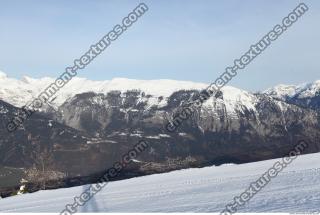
295,190
306,95
102,119
300,91
20,92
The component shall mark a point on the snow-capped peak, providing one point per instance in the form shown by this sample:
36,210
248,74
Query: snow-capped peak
3,75
281,91
28,80
308,90
304,90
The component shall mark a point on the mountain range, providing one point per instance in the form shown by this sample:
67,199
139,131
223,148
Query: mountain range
90,124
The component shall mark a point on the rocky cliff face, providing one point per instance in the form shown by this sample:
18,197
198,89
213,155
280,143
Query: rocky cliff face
224,129
88,131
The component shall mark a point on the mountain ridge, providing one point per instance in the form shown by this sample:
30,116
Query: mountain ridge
86,131
20,92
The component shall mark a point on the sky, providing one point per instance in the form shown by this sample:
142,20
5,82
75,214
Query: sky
192,40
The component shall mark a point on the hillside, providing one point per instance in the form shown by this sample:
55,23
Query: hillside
209,189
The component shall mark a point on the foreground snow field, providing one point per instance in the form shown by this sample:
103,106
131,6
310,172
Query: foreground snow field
296,189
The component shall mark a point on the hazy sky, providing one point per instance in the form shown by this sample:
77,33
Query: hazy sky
176,39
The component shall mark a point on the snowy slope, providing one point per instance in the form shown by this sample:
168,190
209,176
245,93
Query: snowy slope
296,189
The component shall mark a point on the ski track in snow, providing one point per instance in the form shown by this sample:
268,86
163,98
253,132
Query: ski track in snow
296,189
